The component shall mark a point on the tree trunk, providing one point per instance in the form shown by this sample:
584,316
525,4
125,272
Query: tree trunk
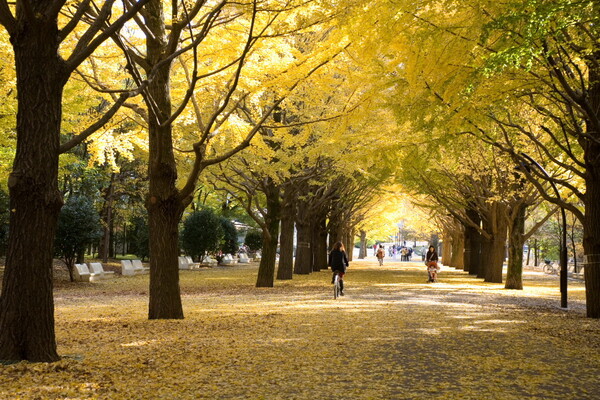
485,257
591,228
27,306
472,243
516,242
285,268
495,247
362,254
591,244
107,210
163,225
266,269
458,245
447,248
320,250
164,206
303,262
349,244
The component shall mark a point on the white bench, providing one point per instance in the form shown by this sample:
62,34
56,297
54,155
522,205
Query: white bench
82,273
208,260
228,260
127,268
139,268
184,263
99,272
191,262
133,267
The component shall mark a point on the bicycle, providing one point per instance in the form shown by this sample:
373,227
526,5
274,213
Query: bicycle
337,288
552,269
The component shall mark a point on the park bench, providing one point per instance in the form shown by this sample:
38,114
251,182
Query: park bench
191,262
243,258
99,272
138,267
133,267
228,260
127,268
208,260
183,263
186,262
82,273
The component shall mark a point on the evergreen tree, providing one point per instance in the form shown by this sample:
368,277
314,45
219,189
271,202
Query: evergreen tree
78,226
229,244
202,233
253,240
138,237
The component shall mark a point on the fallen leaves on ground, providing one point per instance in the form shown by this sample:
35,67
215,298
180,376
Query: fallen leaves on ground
392,336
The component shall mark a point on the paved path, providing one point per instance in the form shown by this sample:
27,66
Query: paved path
393,336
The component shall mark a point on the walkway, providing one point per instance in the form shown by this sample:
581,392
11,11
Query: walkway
392,336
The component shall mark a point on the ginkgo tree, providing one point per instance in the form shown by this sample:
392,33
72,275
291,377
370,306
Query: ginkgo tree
530,68
205,61
45,56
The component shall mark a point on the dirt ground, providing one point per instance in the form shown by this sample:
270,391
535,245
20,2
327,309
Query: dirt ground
393,336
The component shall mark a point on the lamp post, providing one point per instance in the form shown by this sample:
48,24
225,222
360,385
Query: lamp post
563,244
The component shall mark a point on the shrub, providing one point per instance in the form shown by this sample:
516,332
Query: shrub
139,242
78,226
202,233
253,240
229,244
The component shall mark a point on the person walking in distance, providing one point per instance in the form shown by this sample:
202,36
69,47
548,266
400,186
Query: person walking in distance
380,254
431,261
338,261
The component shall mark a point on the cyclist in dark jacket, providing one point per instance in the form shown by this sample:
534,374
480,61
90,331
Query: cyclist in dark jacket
338,261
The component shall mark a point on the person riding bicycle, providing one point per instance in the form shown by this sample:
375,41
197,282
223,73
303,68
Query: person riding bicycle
338,261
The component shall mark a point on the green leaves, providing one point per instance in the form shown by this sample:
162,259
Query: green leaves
78,226
202,233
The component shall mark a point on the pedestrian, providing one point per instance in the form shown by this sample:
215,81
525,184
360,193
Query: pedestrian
380,254
338,261
431,261
404,254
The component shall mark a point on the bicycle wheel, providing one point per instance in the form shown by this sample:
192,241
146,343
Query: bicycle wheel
336,286
548,269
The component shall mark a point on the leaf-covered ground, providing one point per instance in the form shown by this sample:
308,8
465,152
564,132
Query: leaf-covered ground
392,336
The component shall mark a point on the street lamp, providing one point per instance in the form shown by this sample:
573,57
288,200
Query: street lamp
563,244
